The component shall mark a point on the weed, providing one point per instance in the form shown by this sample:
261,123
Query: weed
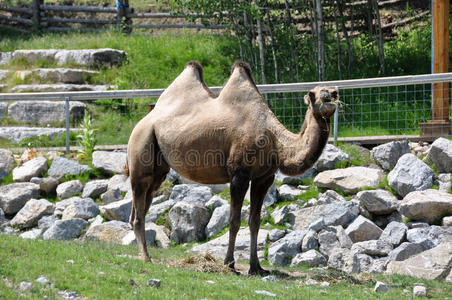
165,188
225,194
164,220
7,179
357,155
86,139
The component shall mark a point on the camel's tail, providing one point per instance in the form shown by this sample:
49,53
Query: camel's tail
126,168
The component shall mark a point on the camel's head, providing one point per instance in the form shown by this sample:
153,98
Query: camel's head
322,100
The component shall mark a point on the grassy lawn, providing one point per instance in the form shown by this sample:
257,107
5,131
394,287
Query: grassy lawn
102,271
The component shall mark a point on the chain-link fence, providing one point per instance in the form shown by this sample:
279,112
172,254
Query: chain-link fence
406,106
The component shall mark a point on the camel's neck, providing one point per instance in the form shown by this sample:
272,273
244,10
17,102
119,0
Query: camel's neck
297,153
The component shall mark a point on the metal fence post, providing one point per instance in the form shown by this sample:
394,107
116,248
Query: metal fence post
67,125
336,119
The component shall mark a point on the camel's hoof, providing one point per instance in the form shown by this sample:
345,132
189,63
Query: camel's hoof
259,271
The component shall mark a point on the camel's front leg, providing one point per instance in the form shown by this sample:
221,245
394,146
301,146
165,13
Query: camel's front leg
239,186
259,189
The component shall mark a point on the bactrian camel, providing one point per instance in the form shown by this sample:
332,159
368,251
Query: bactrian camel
230,137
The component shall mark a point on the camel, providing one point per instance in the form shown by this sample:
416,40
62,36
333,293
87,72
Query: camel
230,137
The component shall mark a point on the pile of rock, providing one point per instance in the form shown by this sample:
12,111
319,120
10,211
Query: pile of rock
355,225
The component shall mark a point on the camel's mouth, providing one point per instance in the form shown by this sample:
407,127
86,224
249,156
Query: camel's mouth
328,97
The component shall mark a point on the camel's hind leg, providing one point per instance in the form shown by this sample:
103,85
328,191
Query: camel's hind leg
140,191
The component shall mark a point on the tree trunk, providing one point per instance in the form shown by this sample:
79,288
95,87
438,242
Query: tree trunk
320,40
260,43
272,42
338,41
379,36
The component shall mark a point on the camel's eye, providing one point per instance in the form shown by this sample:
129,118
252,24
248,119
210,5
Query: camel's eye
334,94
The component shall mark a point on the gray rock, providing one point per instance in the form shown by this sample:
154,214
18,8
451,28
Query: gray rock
330,157
215,188
287,192
154,283
330,196
447,221
59,87
345,260
420,291
311,258
281,215
44,112
276,234
218,247
426,206
109,162
173,177
410,174
118,224
444,182
32,234
214,202
440,154
119,210
2,216
188,222
342,237
3,73
246,210
84,208
106,233
294,180
430,236
14,196
47,221
282,251
155,200
63,75
130,238
35,55
32,211
332,214
218,221
309,241
191,194
161,235
25,286
43,280
417,225
381,287
373,247
158,210
405,251
47,184
94,188
3,105
90,57
363,229
378,201
62,166
29,169
317,225
121,182
383,220
349,180
65,229
6,162
431,264
111,196
17,134
5,57
388,154
394,233
69,188
328,241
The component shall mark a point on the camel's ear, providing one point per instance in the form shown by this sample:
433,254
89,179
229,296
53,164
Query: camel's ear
309,97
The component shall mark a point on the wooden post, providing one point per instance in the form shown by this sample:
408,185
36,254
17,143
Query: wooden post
440,124
36,14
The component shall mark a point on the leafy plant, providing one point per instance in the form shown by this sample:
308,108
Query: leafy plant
86,138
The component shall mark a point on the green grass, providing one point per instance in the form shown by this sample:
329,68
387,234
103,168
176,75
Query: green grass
101,271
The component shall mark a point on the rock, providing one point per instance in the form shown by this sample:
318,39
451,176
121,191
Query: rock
344,260
218,247
6,162
373,247
246,210
378,201
417,225
218,221
14,196
25,286
2,216
264,293
118,224
44,112
32,234
61,205
281,215
154,283
330,157
342,237
317,225
410,174
47,221
294,180
161,237
62,166
33,56
419,291
215,188
57,75
426,206
119,210
282,251
276,234
106,233
69,188
363,229
349,180
383,220
47,184
5,57
405,251
65,229
214,202
394,233
431,264
130,239
309,241
109,162
121,182
94,188
447,221
59,87
191,194
330,196
440,155
43,280
388,154
381,287
31,168
287,192
269,278
188,222
90,57
332,214
328,241
32,211
17,134
3,73
311,258
444,182
158,210
430,236
111,196
83,208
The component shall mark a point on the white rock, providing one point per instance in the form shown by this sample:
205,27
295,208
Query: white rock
426,206
394,233
62,166
14,196
84,208
109,162
218,221
280,252
311,258
330,157
33,210
31,168
119,181
388,154
69,188
188,222
95,188
378,201
363,229
419,291
287,192
119,210
441,155
191,194
381,287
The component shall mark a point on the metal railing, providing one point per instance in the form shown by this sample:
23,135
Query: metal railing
371,106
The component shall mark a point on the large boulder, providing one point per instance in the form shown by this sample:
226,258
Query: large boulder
149,233
363,229
218,221
311,258
282,251
388,154
65,229
441,155
155,211
394,233
332,214
32,168
349,180
188,222
106,233
109,162
57,87
191,193
83,208
94,188
432,264
378,201
410,174
119,210
34,55
44,112
161,234
6,162
426,206
405,251
330,157
63,75
430,236
287,192
294,180
119,181
373,247
62,166
32,211
69,188
90,57
47,185
14,196
18,133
